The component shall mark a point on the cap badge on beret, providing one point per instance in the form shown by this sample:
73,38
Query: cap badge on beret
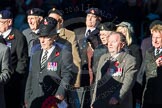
45,22
31,12
0,16
92,11
102,27
53,9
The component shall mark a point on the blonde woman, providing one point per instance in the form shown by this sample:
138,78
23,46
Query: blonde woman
127,29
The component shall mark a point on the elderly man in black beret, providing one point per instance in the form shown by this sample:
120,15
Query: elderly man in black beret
52,61
34,17
105,30
16,41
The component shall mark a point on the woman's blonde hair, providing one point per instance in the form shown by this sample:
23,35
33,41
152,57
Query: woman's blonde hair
127,27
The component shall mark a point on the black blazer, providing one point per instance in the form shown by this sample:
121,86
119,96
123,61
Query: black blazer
19,51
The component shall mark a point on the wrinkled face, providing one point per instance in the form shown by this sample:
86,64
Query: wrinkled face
122,30
156,39
46,42
33,22
91,20
58,18
114,44
103,36
5,24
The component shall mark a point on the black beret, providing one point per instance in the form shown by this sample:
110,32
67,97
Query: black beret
94,11
6,14
48,27
102,27
108,26
56,11
155,22
35,12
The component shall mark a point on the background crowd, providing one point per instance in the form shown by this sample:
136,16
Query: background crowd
80,53
139,12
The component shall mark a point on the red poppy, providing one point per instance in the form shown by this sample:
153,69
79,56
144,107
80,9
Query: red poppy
160,58
50,102
45,22
116,63
57,54
10,37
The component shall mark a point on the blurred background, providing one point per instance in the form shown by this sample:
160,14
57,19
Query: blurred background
139,12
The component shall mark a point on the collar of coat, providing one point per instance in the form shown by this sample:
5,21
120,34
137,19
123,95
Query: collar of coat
62,32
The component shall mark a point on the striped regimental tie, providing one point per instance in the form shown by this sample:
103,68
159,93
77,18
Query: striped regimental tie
44,59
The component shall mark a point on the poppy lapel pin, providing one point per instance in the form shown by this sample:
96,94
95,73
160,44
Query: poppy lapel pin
116,64
11,37
57,54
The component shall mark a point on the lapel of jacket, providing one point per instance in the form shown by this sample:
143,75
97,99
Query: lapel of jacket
120,59
55,53
37,59
65,34
104,63
31,36
151,51
11,36
9,39
95,32
81,34
121,56
62,33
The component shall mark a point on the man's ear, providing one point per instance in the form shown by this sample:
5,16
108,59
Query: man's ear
40,18
123,44
60,20
10,21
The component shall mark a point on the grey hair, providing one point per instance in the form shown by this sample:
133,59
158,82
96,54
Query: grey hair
122,37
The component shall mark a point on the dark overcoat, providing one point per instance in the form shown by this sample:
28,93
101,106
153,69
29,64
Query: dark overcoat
152,92
58,67
14,89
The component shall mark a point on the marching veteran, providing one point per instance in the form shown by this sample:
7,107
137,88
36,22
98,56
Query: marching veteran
34,17
51,62
116,74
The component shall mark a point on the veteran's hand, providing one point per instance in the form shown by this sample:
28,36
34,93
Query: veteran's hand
113,101
159,61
